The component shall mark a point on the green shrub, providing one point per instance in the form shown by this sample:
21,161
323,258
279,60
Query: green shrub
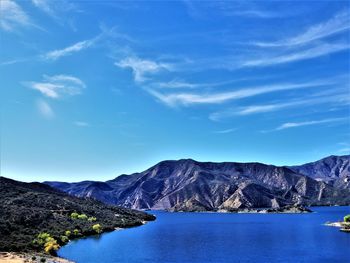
347,218
74,215
51,245
41,238
97,228
92,219
68,233
82,216
48,243
76,232
64,239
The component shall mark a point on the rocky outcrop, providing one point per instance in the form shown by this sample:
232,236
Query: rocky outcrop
188,185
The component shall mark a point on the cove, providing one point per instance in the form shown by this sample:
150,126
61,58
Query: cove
221,237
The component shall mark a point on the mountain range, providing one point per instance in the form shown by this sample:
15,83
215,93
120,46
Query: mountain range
188,185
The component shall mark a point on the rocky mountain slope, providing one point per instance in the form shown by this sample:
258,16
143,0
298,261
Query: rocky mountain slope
27,209
335,170
188,185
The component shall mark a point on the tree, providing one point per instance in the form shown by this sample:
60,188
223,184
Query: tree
76,232
74,215
68,233
347,218
82,216
92,219
45,240
64,239
51,245
97,228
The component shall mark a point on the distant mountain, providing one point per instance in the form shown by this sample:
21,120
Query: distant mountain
188,185
335,170
27,209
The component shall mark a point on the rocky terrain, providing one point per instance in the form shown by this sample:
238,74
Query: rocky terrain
27,209
335,170
188,185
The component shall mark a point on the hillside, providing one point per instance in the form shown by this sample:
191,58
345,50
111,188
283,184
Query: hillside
27,209
335,170
188,185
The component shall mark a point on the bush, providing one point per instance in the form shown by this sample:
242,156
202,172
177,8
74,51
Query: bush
92,219
67,233
48,243
51,245
74,215
64,239
76,232
43,260
82,216
41,238
347,218
97,228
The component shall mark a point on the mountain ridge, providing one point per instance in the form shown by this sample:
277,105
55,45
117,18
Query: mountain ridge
189,185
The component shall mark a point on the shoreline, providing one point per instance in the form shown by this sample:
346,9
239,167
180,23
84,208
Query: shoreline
35,257
278,210
30,257
343,226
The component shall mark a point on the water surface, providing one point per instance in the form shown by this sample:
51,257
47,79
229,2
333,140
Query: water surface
217,237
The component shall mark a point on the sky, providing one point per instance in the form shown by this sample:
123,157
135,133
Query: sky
94,89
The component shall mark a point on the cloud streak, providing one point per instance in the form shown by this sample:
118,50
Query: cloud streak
79,46
142,67
339,99
225,131
12,16
338,24
289,125
174,99
57,86
314,52
45,109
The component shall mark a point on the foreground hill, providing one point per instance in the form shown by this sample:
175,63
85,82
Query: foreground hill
27,209
188,185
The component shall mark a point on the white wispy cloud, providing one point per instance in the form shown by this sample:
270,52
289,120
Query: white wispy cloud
56,9
175,84
142,67
57,86
44,5
81,124
185,98
45,109
254,13
344,150
278,106
299,55
79,46
339,99
289,125
337,24
225,131
12,16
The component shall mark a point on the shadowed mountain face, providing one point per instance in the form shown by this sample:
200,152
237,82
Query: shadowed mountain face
187,185
333,169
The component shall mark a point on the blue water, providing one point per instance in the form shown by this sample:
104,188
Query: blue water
215,237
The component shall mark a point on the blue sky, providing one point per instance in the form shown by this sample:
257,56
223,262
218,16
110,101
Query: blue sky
93,89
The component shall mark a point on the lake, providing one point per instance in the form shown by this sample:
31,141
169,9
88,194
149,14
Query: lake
218,237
